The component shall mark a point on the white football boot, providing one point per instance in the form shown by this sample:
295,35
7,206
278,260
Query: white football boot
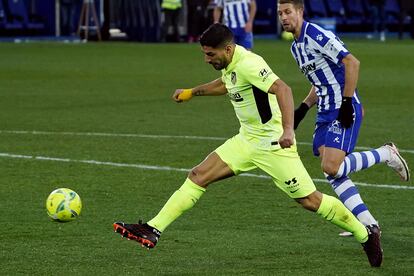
397,163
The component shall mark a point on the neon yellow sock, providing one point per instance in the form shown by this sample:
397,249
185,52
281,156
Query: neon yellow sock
334,211
182,200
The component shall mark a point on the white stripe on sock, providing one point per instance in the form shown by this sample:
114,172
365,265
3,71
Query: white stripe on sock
343,187
366,218
358,160
384,154
353,202
370,158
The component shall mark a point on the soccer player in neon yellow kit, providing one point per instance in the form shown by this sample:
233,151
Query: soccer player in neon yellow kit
264,106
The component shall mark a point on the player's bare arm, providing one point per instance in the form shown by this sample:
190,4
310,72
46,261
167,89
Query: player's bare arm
252,13
351,74
346,111
311,99
217,14
213,88
285,100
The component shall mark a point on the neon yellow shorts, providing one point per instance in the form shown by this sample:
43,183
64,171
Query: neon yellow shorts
283,165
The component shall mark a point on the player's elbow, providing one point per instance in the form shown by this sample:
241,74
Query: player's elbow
287,91
351,61
280,87
356,63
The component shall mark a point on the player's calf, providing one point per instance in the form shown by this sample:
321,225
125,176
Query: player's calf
311,202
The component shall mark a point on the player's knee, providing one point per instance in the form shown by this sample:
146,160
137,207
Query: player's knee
330,169
198,177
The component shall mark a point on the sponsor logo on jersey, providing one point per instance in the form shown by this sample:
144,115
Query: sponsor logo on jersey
308,68
233,78
319,37
263,73
235,97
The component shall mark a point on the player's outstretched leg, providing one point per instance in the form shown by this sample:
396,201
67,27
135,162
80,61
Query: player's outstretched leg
356,161
147,234
335,212
387,154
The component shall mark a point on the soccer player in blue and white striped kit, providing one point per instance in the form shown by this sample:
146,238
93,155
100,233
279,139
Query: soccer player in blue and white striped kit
238,15
333,73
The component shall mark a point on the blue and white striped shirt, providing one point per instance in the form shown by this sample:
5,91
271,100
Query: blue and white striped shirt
235,12
319,55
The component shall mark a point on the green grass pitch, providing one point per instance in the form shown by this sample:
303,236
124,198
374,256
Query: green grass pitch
241,226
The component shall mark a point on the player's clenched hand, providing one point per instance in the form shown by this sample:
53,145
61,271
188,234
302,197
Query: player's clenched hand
346,112
287,139
181,95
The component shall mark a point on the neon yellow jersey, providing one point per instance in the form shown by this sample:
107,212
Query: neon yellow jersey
248,79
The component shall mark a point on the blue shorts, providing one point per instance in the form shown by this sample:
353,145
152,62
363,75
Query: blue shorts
244,39
333,135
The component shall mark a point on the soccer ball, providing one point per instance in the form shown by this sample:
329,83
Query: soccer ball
287,36
63,205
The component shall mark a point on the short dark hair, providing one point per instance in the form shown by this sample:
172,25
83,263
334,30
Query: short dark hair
216,36
296,3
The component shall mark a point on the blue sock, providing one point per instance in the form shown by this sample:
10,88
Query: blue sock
349,195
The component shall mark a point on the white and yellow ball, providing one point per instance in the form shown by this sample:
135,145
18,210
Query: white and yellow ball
63,205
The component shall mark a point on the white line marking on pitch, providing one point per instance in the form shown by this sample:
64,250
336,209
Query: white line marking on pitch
35,132
166,168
